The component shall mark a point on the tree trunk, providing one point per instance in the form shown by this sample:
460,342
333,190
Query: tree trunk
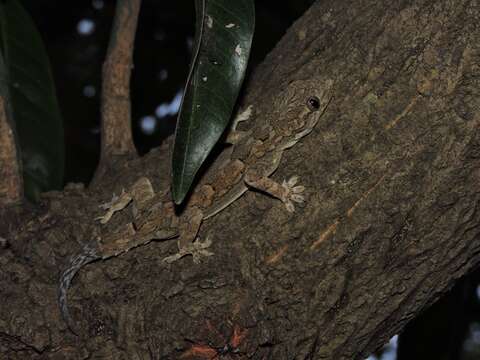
392,173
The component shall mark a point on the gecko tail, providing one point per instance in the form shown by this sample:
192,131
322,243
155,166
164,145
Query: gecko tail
88,255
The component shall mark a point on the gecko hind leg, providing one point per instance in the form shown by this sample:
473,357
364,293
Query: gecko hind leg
198,250
88,255
188,244
288,192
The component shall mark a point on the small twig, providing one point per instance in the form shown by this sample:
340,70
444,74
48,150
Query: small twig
11,182
115,108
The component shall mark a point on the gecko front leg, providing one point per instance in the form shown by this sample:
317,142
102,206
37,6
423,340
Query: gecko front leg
288,192
258,177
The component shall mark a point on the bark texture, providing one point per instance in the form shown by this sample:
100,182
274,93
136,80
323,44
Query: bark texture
392,173
11,182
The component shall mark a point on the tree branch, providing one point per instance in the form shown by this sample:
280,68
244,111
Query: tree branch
11,182
116,122
391,222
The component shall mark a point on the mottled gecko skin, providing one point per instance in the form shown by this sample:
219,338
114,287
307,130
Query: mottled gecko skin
296,112
254,156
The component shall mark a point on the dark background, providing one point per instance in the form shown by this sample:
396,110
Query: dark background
76,36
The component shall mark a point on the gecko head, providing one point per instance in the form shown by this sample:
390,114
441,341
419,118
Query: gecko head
301,104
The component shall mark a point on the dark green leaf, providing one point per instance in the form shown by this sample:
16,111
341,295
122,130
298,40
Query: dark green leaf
27,77
224,31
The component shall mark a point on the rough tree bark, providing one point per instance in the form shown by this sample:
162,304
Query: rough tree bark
11,183
117,139
392,220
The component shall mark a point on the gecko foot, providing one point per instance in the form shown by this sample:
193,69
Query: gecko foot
116,204
292,193
197,249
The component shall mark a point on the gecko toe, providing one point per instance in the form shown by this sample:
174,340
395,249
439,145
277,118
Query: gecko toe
292,193
298,189
290,207
199,250
292,181
297,198
173,258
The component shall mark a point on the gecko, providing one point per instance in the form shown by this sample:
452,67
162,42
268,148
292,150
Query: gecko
252,157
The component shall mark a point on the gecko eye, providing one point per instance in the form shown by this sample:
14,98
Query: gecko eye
313,103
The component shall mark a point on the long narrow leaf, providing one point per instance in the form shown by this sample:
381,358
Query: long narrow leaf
224,32
32,100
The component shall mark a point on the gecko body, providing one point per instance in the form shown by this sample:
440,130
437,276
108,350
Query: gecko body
254,156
